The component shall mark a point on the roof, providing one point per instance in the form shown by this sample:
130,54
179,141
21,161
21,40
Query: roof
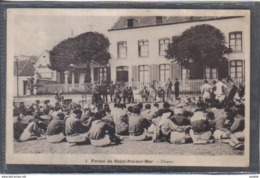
39,62
25,68
150,21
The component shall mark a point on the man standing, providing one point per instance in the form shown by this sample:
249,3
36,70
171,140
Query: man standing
220,91
124,95
161,94
111,90
130,95
168,88
96,93
176,88
117,92
104,91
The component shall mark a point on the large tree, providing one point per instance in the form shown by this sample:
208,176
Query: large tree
82,49
198,47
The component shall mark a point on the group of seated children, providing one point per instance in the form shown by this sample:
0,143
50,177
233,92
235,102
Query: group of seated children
102,125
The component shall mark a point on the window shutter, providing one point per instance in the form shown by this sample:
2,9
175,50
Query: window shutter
175,71
135,73
96,72
154,72
108,74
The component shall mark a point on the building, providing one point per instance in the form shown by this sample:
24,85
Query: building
138,47
43,73
23,70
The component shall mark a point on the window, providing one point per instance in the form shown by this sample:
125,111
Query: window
131,23
211,73
235,41
47,75
163,45
62,77
122,49
77,73
122,73
159,19
143,73
143,48
185,74
100,74
236,69
164,72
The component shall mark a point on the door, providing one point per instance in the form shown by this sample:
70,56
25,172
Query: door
122,74
25,84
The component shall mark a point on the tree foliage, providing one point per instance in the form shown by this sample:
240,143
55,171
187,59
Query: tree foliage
204,45
82,49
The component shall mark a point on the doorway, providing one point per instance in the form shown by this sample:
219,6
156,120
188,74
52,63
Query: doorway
122,74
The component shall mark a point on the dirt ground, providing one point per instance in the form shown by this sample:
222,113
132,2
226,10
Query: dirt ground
127,146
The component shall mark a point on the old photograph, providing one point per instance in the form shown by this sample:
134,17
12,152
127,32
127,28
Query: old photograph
139,87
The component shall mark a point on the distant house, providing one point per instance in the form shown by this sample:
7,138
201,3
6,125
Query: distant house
44,74
138,45
23,70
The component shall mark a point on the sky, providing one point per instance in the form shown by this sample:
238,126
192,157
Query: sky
34,34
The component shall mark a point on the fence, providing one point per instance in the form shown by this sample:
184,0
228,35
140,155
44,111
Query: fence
186,86
65,88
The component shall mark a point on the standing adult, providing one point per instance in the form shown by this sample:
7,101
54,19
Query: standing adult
145,94
212,93
104,91
205,90
176,88
118,97
124,95
168,88
95,93
220,91
130,95
231,90
161,94
111,90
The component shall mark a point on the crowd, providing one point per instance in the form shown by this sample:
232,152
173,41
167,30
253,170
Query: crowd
218,115
117,93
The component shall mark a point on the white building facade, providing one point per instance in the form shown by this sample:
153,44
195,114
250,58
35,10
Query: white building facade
43,72
138,47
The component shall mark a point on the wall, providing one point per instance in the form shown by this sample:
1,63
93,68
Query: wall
153,34
21,79
41,66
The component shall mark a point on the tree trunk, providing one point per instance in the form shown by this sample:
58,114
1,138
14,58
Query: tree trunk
196,71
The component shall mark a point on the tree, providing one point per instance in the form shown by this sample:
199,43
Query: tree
82,49
198,47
